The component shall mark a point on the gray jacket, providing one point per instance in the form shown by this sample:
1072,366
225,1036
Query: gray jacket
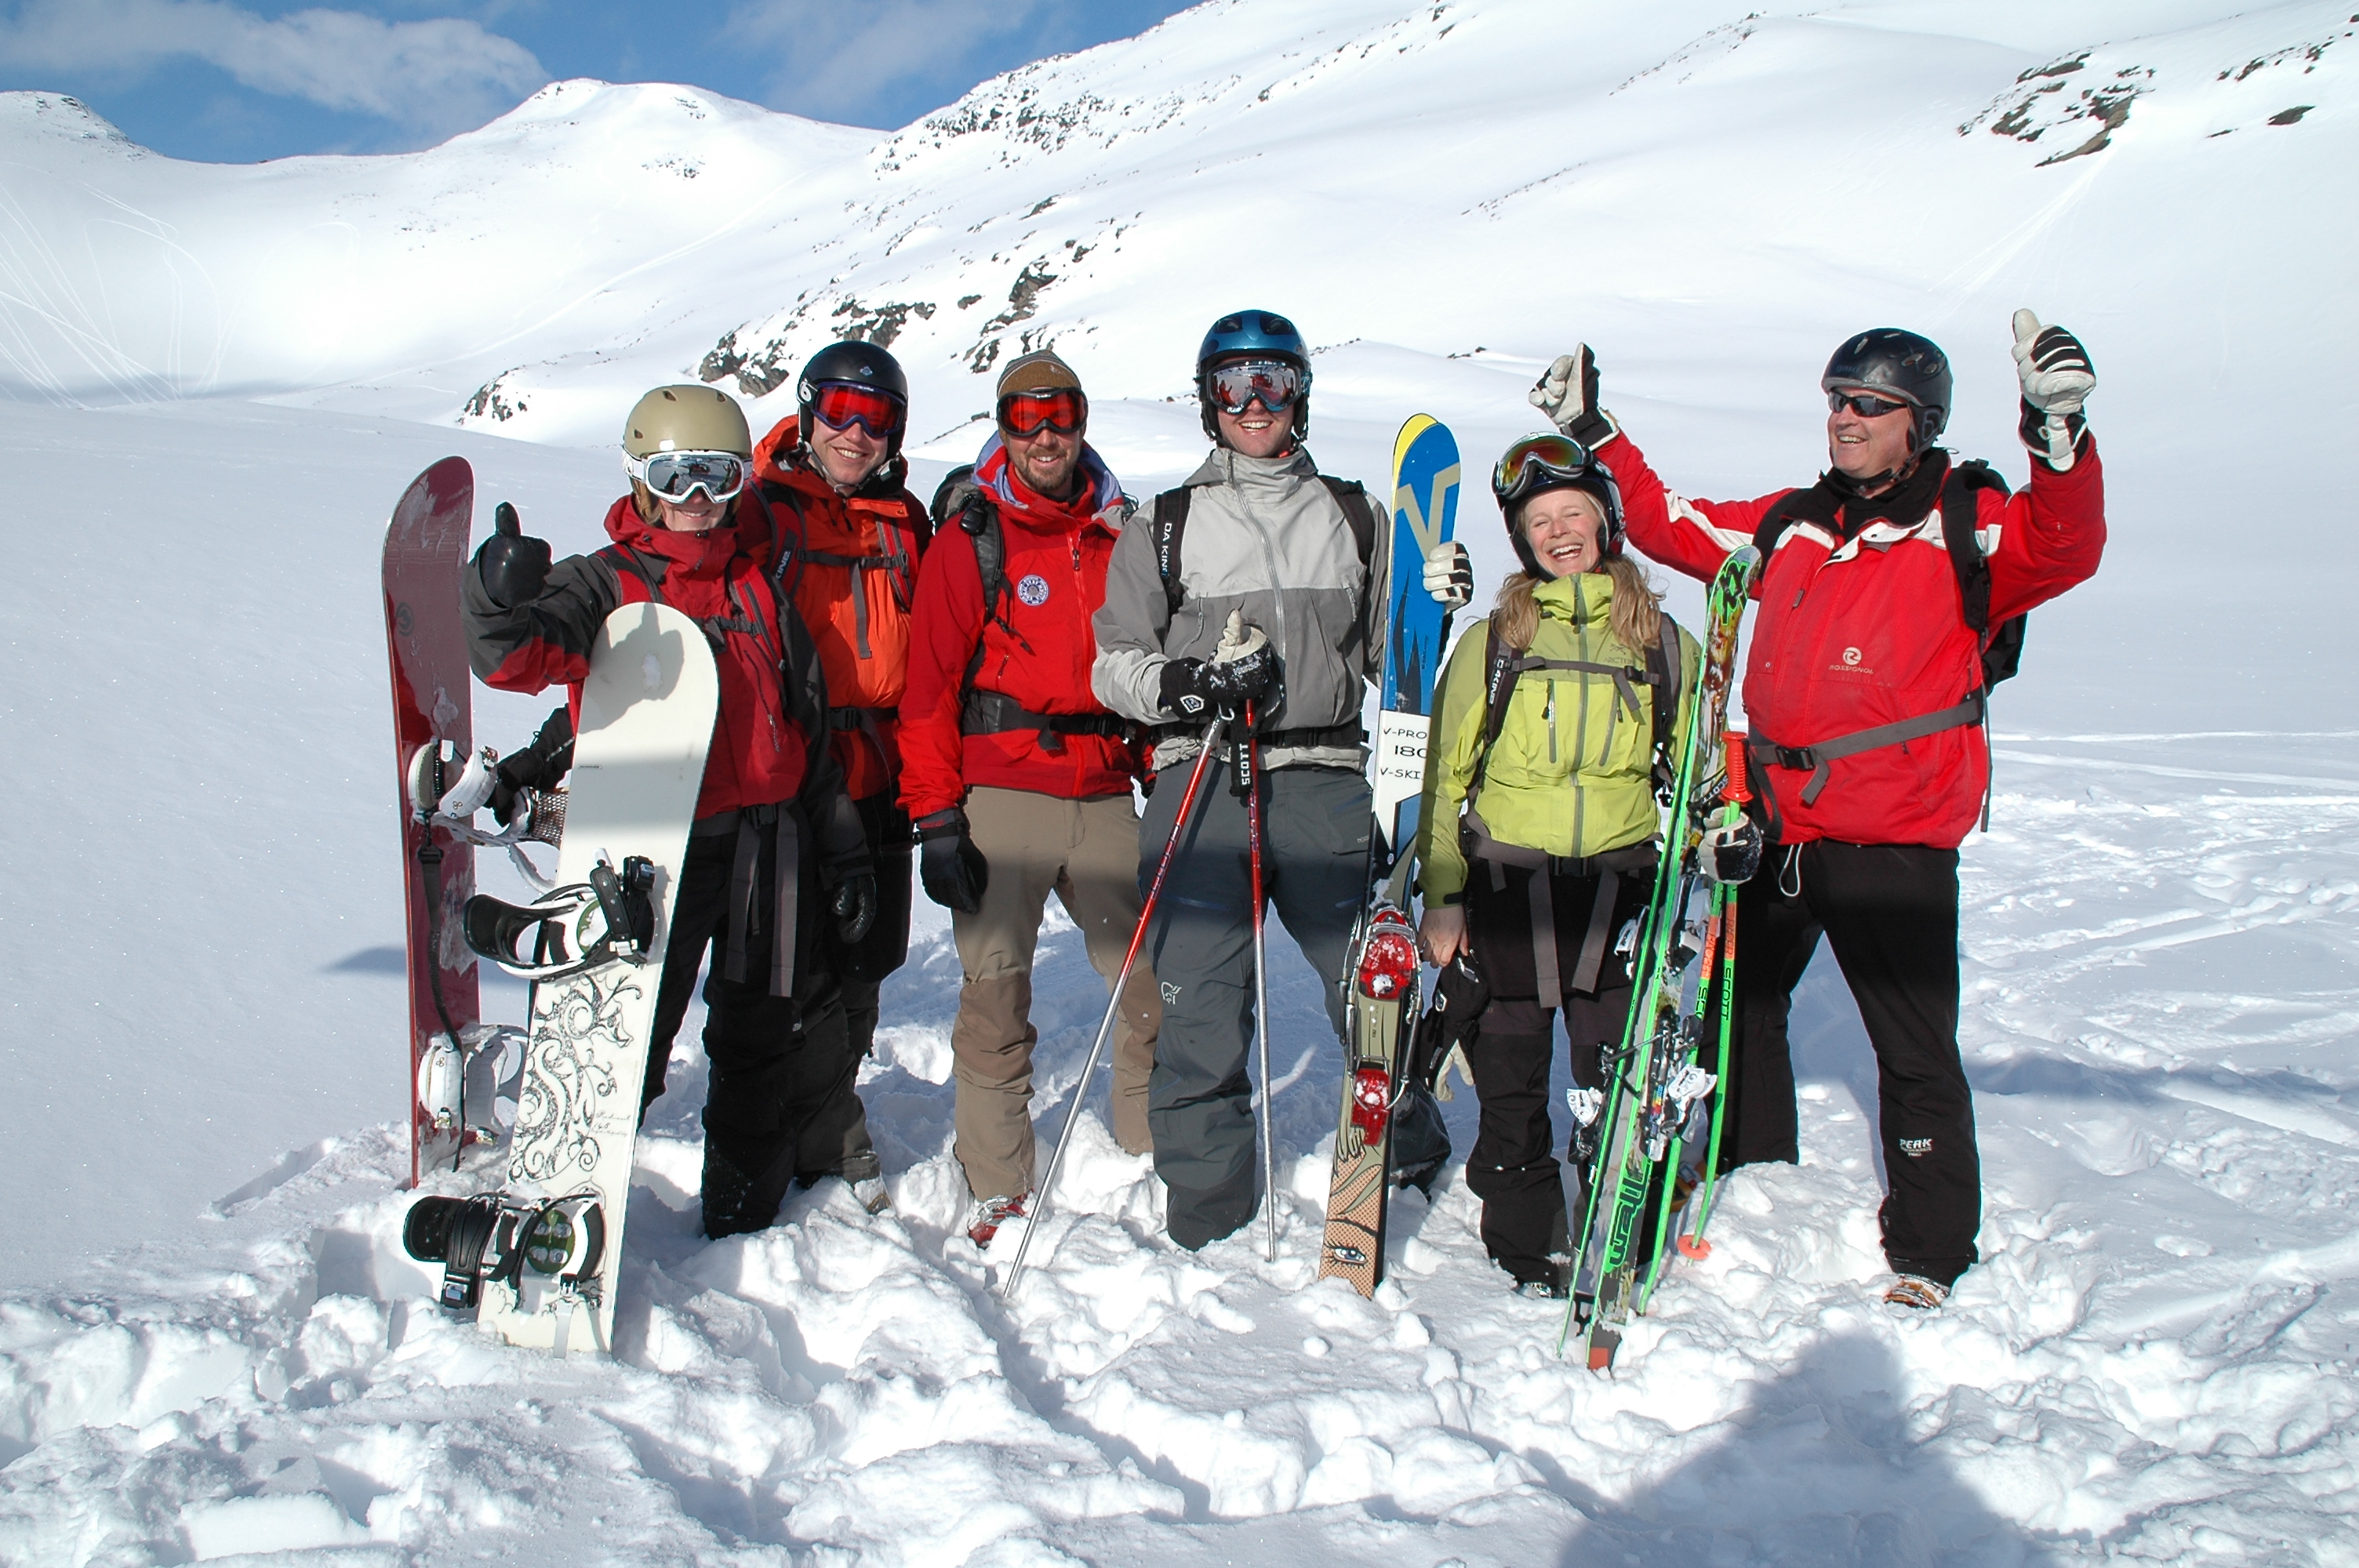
1266,536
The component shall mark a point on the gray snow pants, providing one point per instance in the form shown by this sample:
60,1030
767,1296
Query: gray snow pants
1314,861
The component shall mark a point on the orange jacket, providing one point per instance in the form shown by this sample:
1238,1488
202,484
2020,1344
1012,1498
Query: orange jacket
849,563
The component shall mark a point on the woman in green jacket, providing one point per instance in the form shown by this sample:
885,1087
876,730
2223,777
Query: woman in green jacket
1537,835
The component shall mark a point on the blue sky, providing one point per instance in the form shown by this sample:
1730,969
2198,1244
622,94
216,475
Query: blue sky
237,81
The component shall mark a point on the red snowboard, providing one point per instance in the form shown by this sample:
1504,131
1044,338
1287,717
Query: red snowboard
425,549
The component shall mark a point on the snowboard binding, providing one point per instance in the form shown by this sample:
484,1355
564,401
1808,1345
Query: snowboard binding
490,1054
445,792
559,1241
610,918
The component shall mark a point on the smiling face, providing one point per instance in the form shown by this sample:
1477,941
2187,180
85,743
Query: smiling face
845,458
1562,527
1861,447
1045,460
1256,432
698,513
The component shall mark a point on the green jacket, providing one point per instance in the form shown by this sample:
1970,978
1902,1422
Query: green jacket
1571,773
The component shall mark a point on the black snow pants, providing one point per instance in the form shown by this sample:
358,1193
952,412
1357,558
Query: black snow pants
1314,866
1890,912
1513,1166
846,1150
782,1071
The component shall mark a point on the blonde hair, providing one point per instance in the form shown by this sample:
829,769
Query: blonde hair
1634,621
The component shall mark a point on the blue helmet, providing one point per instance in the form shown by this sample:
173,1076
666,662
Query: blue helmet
1254,334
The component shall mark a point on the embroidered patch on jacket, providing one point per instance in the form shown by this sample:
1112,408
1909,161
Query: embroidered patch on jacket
1033,591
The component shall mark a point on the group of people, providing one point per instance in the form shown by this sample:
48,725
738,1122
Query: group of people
983,682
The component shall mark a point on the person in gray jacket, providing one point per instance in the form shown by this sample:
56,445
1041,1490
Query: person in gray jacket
1257,530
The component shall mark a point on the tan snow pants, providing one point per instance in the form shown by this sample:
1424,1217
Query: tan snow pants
1086,852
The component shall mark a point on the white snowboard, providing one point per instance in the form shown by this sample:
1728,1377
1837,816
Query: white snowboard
647,711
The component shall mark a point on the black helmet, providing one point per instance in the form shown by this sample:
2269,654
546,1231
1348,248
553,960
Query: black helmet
1257,335
1537,464
1899,364
854,364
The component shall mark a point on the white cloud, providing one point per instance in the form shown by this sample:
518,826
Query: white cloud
438,75
838,58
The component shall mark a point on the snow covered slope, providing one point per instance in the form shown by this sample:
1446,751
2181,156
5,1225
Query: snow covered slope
224,377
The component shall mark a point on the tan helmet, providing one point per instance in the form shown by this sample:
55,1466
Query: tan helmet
687,419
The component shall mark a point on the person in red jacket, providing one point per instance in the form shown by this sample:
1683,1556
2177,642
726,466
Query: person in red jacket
1864,685
850,537
775,840
1018,779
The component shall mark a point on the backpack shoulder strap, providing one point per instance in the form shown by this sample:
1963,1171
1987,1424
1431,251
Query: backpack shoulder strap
1502,666
1359,510
787,549
1665,674
1775,521
1170,525
1961,515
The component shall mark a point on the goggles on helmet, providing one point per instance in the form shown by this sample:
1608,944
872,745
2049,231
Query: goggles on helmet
1058,408
1235,385
1864,404
1537,461
676,476
840,404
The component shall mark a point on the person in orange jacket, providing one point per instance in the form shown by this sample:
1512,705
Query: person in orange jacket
849,536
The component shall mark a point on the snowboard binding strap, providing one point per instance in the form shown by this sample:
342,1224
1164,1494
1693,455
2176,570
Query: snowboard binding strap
576,928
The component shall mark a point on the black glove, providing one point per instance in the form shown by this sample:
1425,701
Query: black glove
950,868
539,766
1193,687
1730,854
513,566
853,904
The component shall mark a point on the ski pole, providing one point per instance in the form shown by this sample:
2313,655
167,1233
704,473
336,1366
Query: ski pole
1113,1004
1249,777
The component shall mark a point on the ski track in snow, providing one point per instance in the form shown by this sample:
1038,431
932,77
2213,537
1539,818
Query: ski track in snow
2153,1361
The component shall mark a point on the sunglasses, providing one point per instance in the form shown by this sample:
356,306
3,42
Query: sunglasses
1860,404
676,476
1236,385
1024,415
1538,458
840,404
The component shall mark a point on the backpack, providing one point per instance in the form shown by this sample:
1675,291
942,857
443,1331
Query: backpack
1502,666
2002,645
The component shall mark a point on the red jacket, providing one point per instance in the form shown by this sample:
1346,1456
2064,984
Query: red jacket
858,613
1865,630
759,754
1037,650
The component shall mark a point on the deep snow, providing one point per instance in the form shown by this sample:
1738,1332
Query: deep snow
211,1342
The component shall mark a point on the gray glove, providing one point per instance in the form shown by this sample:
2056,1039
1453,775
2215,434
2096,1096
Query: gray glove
1567,394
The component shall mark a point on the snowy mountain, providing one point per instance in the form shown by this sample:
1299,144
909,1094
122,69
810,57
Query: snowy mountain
213,1345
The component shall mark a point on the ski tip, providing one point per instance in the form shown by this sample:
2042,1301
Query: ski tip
1694,1247
1416,424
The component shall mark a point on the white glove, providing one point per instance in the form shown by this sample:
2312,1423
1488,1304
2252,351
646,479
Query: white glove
2057,377
1567,394
1450,575
1238,640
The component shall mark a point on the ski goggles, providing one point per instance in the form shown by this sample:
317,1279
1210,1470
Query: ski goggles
840,404
1236,386
1026,413
1862,404
1539,460
676,476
